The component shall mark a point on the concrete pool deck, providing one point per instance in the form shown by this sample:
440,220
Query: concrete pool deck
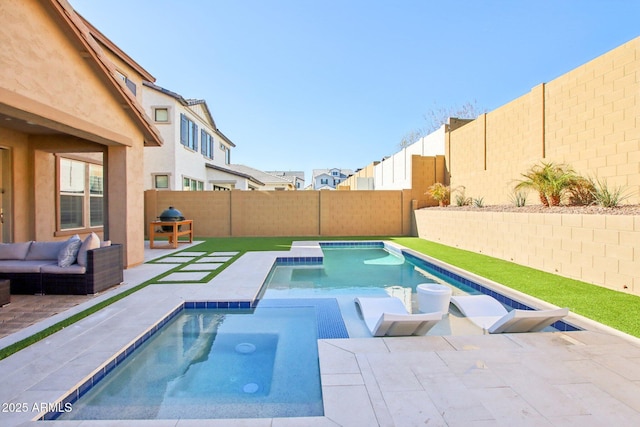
557,379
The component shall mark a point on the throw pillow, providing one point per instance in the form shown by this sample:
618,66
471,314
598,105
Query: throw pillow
69,251
91,242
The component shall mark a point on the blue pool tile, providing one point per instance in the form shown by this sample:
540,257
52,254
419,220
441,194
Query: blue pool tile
328,316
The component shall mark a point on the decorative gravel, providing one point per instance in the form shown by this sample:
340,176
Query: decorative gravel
589,210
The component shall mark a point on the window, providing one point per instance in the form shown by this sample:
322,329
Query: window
189,184
206,144
81,194
161,181
324,181
334,173
188,133
227,153
161,115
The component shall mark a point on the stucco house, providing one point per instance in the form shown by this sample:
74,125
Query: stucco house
329,179
193,141
72,130
196,155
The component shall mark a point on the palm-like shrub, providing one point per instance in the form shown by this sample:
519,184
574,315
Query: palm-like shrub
550,180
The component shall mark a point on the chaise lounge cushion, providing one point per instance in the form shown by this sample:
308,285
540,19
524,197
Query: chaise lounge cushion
44,250
14,251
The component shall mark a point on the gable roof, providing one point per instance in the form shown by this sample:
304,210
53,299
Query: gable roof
231,171
263,176
191,103
89,48
105,42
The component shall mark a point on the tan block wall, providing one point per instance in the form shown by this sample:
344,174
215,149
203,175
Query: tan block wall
274,213
350,183
210,210
426,171
598,249
360,213
299,213
588,118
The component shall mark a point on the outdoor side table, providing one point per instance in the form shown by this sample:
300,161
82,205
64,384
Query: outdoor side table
177,229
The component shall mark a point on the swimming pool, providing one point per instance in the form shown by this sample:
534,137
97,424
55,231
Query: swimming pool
355,269
205,364
271,328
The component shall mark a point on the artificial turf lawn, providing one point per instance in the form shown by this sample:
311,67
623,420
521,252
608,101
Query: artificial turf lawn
616,309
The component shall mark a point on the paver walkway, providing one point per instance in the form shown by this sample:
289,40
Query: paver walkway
26,310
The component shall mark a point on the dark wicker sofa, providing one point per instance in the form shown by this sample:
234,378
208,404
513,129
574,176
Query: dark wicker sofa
104,268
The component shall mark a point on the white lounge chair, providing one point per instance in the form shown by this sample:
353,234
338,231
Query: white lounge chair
490,315
387,316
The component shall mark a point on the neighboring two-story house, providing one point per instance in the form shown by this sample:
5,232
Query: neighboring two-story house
192,142
196,155
329,179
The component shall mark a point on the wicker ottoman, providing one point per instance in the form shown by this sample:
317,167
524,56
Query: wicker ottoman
5,293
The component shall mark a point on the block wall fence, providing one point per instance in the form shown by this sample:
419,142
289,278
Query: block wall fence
588,118
288,213
598,249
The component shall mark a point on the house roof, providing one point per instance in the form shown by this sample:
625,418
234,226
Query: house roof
89,48
255,175
108,44
231,171
191,102
263,176
290,175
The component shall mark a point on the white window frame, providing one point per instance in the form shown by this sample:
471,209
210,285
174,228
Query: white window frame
86,195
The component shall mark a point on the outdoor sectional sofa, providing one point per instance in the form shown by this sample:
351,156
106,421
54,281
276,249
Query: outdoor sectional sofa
87,267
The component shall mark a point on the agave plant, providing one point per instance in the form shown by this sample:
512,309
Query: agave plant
549,180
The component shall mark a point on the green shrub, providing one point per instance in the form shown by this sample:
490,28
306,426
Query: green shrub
518,198
440,193
606,197
461,198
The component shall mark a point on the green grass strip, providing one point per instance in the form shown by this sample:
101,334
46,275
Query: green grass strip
616,309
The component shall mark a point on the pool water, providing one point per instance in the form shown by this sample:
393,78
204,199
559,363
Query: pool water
216,364
347,273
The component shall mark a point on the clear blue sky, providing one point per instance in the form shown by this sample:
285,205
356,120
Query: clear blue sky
313,84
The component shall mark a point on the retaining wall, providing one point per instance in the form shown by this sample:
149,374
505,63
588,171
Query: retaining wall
599,249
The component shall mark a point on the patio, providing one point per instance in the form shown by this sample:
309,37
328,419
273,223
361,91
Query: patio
577,378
